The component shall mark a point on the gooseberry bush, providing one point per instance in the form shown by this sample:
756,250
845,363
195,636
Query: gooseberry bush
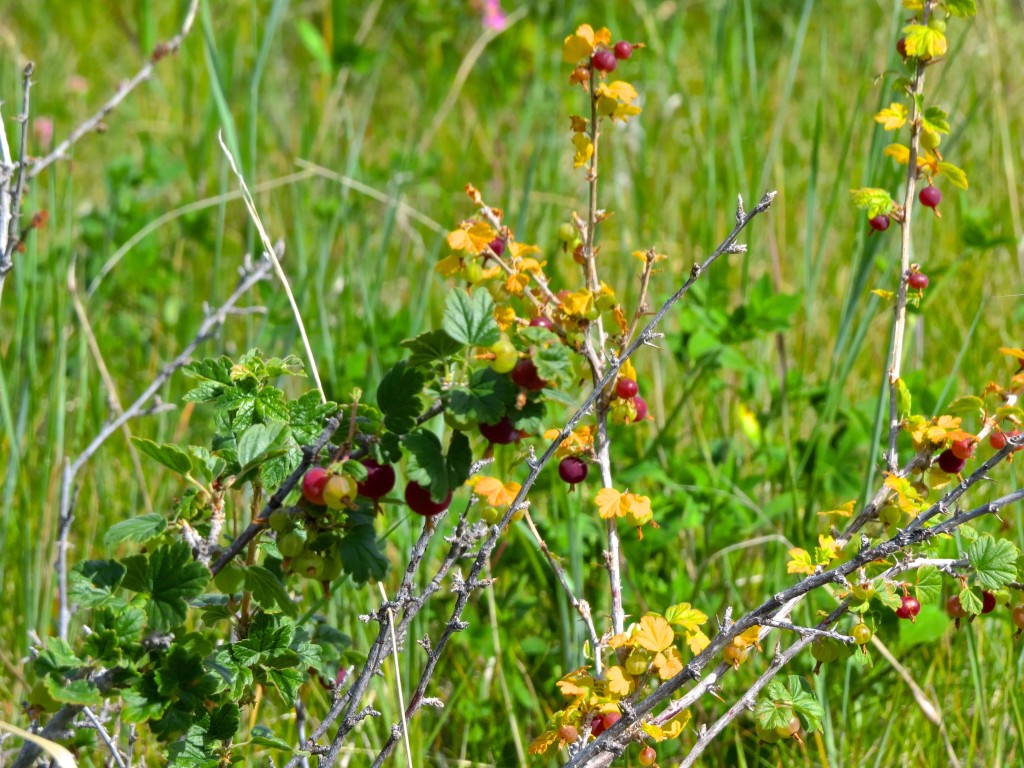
290,504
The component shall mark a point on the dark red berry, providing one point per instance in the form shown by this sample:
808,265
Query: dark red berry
626,388
909,609
623,50
597,726
879,223
963,449
988,602
930,196
901,47
573,469
525,375
997,440
380,479
313,484
948,462
497,245
603,61
541,322
917,280
501,433
641,408
419,501
955,608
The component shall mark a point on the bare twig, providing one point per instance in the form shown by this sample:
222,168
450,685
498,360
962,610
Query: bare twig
114,751
10,196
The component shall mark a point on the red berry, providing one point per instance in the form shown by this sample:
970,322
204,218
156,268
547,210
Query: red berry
603,61
501,433
623,50
963,449
610,718
901,47
419,501
525,375
313,484
597,726
647,756
573,470
380,479
988,602
541,322
626,388
1013,433
641,408
917,280
909,609
930,196
955,608
997,440
879,223
948,462
497,245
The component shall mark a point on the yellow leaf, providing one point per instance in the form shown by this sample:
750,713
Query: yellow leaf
578,304
496,493
505,317
576,683
801,562
627,371
620,90
579,45
619,683
748,638
655,634
899,153
697,641
883,294
682,615
842,511
521,249
1012,352
516,284
892,117
448,266
827,547
671,730
543,743
637,509
584,149
608,502
619,640
668,664
924,42
473,238
577,124
603,36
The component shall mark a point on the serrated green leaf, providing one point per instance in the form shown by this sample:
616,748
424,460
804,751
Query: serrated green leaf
459,459
93,582
268,591
485,399
970,601
774,709
955,175
470,319
929,584
805,703
170,577
431,348
259,440
171,456
874,201
924,42
224,721
994,561
360,554
553,362
966,406
398,397
57,656
79,692
885,593
961,8
269,635
306,416
137,529
936,119
141,704
262,736
426,464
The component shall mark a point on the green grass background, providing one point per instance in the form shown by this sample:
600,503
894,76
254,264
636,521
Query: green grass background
739,96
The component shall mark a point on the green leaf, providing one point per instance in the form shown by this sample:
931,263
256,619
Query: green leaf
137,529
93,582
214,375
398,397
470,319
961,8
170,577
171,456
969,405
79,692
57,656
141,704
885,593
935,119
553,362
459,459
224,721
426,464
929,584
360,553
774,709
268,591
431,348
485,399
924,42
306,416
875,201
259,440
287,682
970,601
271,405
269,635
262,736
955,175
994,561
903,399
805,703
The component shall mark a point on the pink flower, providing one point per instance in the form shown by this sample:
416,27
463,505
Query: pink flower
494,16
42,129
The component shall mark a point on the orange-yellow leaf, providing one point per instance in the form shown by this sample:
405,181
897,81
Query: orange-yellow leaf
655,634
697,641
668,664
577,683
609,503
473,238
448,266
516,284
496,493
577,124
504,316
637,509
619,640
899,153
801,561
670,730
584,149
543,743
844,510
748,638
892,117
619,683
578,304
579,45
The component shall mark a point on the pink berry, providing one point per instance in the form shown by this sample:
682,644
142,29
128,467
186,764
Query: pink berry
501,433
313,484
623,50
419,501
626,388
917,280
604,61
641,408
930,196
573,470
879,223
380,479
497,245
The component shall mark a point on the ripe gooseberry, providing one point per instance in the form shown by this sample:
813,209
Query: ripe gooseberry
948,462
997,440
930,196
380,479
498,246
988,602
879,223
917,280
610,718
623,50
525,375
573,470
954,608
901,47
647,754
541,322
963,449
313,484
641,408
735,655
626,388
568,733
604,61
909,609
419,500
501,433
